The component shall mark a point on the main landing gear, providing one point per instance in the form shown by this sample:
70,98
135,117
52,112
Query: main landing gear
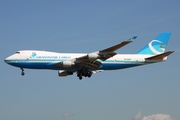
84,73
22,73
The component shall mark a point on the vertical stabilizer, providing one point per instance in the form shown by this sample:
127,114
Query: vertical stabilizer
156,46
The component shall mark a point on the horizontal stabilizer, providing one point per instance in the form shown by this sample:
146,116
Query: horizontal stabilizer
160,56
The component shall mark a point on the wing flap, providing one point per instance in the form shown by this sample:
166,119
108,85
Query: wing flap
92,65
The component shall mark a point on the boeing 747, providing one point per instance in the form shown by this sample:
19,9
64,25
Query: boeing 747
89,63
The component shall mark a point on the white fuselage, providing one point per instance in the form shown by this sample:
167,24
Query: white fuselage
34,59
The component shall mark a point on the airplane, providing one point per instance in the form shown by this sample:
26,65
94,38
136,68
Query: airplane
85,64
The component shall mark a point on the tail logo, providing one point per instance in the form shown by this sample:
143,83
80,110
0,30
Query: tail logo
157,44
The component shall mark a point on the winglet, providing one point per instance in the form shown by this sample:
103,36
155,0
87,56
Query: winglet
133,38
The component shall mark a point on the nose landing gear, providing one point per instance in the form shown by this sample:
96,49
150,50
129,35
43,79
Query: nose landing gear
22,73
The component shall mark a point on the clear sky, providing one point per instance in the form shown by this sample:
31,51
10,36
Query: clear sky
143,93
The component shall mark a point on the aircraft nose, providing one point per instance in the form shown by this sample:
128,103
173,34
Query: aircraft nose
7,60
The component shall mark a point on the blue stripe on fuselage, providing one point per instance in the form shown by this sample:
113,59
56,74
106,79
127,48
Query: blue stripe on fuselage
108,65
117,66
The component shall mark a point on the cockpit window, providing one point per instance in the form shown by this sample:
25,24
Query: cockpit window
18,52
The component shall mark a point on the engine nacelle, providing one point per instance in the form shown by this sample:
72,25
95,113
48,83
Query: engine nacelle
92,56
67,64
64,73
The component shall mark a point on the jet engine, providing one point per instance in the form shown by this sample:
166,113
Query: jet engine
92,56
64,73
67,64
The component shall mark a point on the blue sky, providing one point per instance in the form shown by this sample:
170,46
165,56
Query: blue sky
88,26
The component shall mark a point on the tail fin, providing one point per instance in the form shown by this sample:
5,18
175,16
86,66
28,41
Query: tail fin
156,46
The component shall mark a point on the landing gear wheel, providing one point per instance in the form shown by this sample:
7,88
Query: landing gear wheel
80,78
22,73
89,74
79,75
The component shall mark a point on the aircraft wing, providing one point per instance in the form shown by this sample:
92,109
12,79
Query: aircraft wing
91,60
108,52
